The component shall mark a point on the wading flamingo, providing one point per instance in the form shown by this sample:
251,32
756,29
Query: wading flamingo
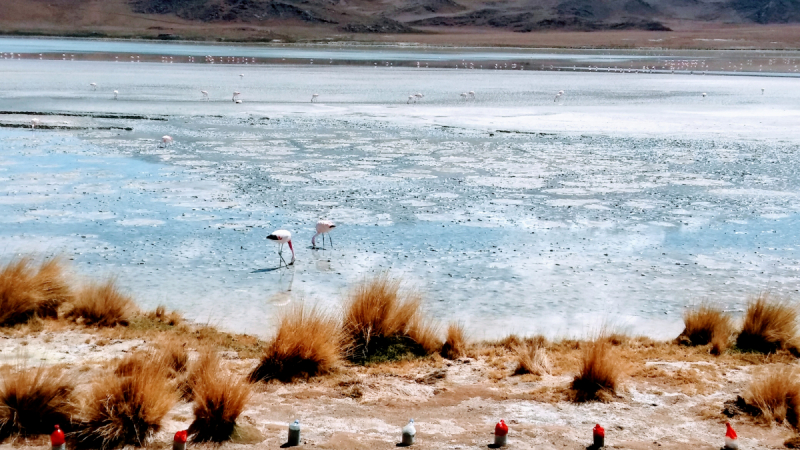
411,99
314,97
241,75
560,93
281,237
116,93
419,96
94,86
234,99
34,122
323,227
464,95
205,95
166,140
704,94
471,94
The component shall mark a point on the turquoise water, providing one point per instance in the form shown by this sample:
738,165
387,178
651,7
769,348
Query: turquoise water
620,203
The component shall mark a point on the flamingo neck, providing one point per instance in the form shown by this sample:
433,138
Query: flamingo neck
313,238
292,249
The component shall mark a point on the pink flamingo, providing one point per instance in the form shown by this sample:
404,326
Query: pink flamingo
323,227
282,237
166,140
34,122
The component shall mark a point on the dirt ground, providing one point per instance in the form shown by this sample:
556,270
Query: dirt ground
671,397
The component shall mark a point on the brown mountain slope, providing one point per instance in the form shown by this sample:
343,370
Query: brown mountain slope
464,22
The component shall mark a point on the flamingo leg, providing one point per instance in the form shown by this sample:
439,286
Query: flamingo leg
280,255
331,240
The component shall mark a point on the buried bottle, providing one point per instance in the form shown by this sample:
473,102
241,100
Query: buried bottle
294,434
599,435
409,432
57,439
731,439
500,434
179,442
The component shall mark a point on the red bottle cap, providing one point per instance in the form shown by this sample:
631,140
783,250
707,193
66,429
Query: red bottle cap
731,433
599,431
181,436
57,438
501,429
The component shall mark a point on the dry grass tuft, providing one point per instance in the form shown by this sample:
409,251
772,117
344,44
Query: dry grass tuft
34,400
455,346
174,354
219,399
532,358
707,325
27,291
126,407
103,304
207,361
385,324
161,315
309,342
776,395
599,372
769,325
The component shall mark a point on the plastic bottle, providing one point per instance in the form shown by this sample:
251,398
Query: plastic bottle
179,442
409,432
599,435
500,434
294,434
731,439
57,439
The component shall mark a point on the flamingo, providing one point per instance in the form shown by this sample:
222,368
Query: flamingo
116,92
419,96
236,94
762,91
323,227
560,93
464,95
314,97
205,95
704,94
166,140
411,98
471,94
241,75
94,86
281,237
34,122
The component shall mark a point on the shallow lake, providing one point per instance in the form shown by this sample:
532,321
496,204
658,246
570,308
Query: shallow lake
617,203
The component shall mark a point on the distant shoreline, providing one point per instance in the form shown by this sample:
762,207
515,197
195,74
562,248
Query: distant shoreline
785,37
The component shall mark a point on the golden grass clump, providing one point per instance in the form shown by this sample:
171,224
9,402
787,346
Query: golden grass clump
161,315
174,354
769,325
207,361
599,373
34,400
455,346
127,406
102,304
385,324
775,394
707,325
532,358
27,291
309,342
219,399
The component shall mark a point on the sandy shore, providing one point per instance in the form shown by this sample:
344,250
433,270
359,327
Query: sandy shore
672,396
